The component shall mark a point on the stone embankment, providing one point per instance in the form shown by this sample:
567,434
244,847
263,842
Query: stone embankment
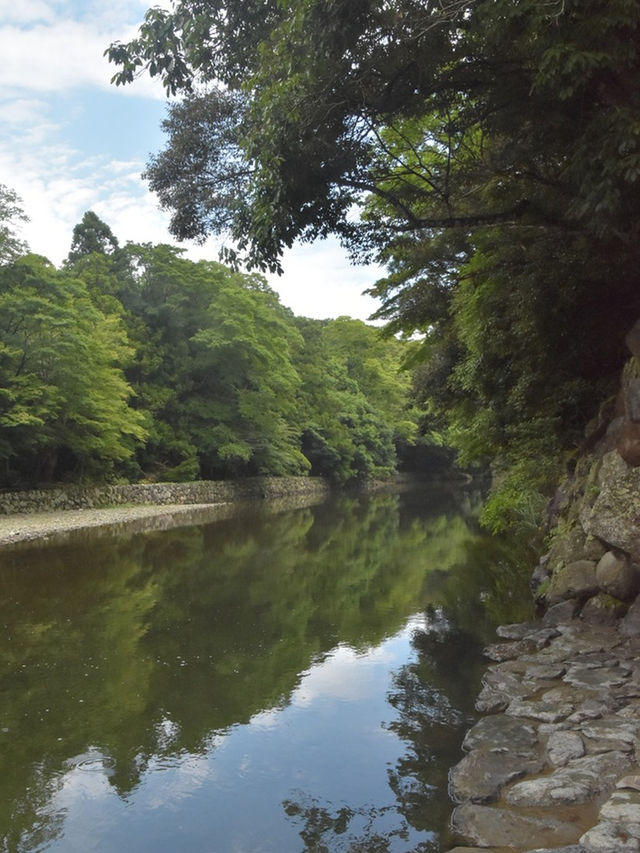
40,514
200,492
554,765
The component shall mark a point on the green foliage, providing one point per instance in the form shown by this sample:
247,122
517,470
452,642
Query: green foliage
353,400
492,150
64,401
11,215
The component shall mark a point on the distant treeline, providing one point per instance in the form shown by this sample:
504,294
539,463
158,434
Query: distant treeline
132,363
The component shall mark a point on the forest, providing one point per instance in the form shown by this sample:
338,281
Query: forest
133,363
486,152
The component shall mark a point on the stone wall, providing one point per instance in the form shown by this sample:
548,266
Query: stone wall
593,566
201,492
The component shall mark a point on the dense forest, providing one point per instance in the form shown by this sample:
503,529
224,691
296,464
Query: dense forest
133,362
486,151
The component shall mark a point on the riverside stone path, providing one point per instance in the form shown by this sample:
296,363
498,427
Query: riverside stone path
554,768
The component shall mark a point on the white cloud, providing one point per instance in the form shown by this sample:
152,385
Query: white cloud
319,281
62,56
25,11
52,52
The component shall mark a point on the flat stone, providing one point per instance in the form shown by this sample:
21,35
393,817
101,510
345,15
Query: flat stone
517,630
488,826
508,651
492,850
562,747
570,848
593,708
623,807
545,672
632,781
612,728
579,781
609,838
598,677
482,773
500,732
546,712
498,689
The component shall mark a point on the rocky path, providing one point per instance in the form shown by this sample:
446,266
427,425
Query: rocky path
554,766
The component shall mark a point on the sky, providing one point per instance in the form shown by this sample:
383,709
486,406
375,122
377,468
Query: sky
71,142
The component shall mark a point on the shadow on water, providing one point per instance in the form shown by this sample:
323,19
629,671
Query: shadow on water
297,681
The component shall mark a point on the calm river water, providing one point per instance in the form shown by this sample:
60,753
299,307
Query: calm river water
271,683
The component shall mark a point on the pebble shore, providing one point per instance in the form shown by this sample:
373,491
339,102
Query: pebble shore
553,767
44,525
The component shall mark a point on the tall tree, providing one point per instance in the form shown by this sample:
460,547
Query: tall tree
11,215
64,402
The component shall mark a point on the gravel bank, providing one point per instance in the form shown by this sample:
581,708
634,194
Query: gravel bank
42,525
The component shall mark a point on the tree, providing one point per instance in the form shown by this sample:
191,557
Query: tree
436,115
213,369
11,214
90,235
64,409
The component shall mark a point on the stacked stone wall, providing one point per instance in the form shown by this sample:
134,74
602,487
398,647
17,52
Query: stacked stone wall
200,492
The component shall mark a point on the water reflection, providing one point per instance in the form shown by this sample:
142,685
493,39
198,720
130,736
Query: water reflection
256,684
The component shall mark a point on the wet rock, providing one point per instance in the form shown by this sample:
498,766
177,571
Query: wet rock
575,580
481,775
579,781
623,807
488,826
616,575
610,837
500,732
562,747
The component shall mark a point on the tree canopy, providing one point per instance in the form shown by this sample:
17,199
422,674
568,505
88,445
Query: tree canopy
486,151
132,362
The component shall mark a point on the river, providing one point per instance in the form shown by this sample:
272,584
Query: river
274,682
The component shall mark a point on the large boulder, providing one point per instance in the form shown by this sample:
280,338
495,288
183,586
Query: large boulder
614,515
617,576
575,580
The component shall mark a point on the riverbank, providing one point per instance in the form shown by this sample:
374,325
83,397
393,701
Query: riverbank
554,764
27,527
44,513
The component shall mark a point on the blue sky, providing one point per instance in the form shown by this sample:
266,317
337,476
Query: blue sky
71,142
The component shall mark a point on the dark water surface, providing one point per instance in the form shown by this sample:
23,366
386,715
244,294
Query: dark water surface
270,683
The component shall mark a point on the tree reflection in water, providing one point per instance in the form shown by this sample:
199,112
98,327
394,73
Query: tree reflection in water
432,700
